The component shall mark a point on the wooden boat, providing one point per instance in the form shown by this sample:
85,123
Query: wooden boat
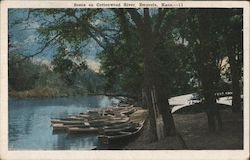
119,111
82,130
118,128
108,122
128,111
58,124
120,136
72,118
67,122
63,127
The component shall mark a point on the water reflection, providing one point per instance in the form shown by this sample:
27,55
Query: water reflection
29,122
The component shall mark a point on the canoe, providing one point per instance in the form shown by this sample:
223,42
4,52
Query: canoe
119,111
82,130
63,127
128,111
99,122
120,136
73,118
118,128
54,121
108,122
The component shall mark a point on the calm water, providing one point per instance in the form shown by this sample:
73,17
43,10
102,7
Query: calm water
29,122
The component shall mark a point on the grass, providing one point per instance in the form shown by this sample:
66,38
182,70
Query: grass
194,130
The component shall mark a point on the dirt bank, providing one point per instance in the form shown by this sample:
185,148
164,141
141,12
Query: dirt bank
194,130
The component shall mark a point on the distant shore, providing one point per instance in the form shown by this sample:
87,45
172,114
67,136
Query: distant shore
46,92
52,92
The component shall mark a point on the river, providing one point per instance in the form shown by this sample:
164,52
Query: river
29,122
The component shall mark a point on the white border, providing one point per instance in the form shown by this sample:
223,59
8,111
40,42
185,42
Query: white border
126,155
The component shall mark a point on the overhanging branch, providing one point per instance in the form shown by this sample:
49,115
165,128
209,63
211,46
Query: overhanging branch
136,17
40,51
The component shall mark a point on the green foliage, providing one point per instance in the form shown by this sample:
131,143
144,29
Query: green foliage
22,76
209,33
122,66
33,79
180,56
174,66
68,64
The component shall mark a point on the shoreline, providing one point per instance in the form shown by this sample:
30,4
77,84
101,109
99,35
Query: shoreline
24,95
53,93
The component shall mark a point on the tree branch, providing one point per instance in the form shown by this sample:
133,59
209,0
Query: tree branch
96,39
159,20
124,26
146,18
100,33
40,51
180,16
136,17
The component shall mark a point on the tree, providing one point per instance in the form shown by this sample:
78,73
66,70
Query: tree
68,64
211,35
129,36
200,33
22,76
151,31
75,28
233,44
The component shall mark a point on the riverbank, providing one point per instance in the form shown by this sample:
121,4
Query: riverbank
47,92
194,130
55,92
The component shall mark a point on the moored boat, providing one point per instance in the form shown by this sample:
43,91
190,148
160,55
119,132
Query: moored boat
111,119
118,127
55,121
120,136
64,127
82,130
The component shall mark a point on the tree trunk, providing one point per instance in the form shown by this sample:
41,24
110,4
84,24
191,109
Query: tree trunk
206,71
147,49
213,114
148,42
165,111
235,71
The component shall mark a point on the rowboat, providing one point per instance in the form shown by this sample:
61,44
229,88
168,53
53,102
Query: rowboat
112,119
117,128
128,111
67,122
82,130
120,136
58,124
64,127
118,110
72,118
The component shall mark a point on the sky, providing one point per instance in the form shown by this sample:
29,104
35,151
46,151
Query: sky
26,41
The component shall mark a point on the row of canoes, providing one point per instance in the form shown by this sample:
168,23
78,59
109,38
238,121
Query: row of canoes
111,124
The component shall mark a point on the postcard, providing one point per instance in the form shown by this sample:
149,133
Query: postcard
124,80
